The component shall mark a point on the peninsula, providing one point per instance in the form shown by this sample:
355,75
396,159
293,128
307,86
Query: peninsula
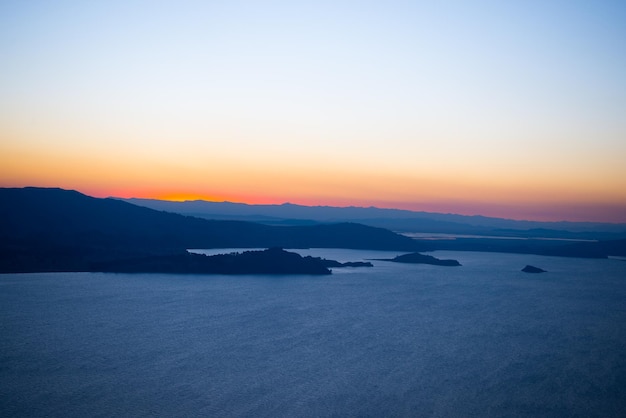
269,261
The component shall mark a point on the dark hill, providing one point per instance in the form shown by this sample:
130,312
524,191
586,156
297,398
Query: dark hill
61,230
270,261
417,258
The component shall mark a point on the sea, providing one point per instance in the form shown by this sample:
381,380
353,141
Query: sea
393,340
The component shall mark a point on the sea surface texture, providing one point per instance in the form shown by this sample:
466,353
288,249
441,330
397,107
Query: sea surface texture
483,340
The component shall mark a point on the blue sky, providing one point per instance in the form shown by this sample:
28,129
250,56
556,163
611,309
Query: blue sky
450,106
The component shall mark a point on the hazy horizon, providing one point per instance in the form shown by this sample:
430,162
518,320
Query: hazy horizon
191,200
486,211
512,110
556,219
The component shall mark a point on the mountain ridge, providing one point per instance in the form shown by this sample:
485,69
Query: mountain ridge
45,229
400,220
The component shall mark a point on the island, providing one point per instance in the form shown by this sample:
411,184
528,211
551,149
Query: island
418,258
334,263
533,269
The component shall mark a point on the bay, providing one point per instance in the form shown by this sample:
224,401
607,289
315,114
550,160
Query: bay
483,339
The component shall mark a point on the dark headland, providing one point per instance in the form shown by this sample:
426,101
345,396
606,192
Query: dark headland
270,261
55,230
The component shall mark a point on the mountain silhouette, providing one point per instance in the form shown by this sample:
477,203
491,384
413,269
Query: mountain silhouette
45,229
393,219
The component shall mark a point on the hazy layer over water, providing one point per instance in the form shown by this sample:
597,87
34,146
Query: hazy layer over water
483,339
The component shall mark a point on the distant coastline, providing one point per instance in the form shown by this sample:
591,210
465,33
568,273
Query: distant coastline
399,220
450,236
45,230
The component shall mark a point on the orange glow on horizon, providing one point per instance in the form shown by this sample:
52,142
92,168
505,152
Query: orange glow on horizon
541,208
517,197
220,112
575,211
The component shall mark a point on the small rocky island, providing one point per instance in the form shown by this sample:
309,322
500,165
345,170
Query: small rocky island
417,258
269,261
533,269
334,263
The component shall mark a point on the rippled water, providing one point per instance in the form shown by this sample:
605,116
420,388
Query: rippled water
483,339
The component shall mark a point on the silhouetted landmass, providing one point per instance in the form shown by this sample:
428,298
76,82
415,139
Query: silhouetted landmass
532,269
334,263
59,230
44,230
556,248
393,219
613,247
417,258
542,238
270,261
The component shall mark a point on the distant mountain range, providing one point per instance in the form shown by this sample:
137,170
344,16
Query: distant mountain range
63,230
403,221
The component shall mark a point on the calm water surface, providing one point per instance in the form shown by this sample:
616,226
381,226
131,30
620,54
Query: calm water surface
483,339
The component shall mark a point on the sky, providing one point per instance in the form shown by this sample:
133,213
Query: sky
514,109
